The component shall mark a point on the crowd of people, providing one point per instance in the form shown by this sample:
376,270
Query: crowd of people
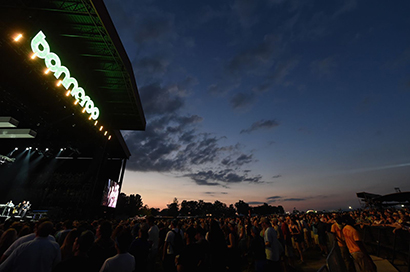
272,243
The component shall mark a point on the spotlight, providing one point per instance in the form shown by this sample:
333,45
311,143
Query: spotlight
67,93
30,148
101,128
46,149
18,37
59,83
33,56
46,71
76,102
61,149
27,148
95,123
109,137
105,133
16,148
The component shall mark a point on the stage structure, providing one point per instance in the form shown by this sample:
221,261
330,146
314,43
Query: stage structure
67,88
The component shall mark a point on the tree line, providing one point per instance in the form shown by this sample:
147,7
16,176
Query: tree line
133,205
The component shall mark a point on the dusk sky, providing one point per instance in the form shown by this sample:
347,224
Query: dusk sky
293,103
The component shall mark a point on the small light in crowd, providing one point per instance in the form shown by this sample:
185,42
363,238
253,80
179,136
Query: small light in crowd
46,71
33,56
95,123
67,93
109,137
18,37
105,133
350,207
101,128
402,205
59,83
83,110
76,102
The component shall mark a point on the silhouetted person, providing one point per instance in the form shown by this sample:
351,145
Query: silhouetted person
80,262
38,255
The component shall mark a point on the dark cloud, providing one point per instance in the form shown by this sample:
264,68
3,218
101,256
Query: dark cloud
323,67
150,67
242,100
294,199
256,203
273,197
252,59
277,176
158,100
239,161
245,10
222,177
262,124
157,26
216,193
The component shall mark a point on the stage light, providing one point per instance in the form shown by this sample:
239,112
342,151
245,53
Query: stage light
27,148
101,128
47,71
16,148
8,122
109,137
18,37
76,102
46,149
95,123
59,83
33,56
61,149
105,133
30,148
67,93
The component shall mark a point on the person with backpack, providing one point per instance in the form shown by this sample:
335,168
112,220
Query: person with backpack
172,247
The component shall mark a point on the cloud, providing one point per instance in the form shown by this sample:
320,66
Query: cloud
158,100
253,59
277,176
323,67
150,67
215,193
294,199
348,5
242,100
255,203
221,177
262,124
245,10
273,199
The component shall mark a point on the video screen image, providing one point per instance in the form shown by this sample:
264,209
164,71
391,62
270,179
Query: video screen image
110,194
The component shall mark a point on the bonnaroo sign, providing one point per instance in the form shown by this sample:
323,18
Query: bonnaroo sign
53,63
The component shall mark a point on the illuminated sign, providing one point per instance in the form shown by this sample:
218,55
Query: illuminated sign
53,63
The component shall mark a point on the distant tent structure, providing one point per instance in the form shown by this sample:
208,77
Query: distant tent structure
374,200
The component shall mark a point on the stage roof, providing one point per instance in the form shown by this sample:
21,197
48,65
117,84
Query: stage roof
82,34
85,38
